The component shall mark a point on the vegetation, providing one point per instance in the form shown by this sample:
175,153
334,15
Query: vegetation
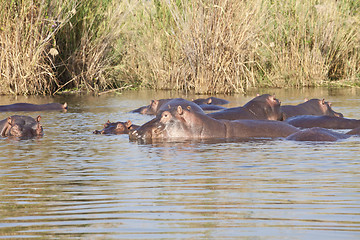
205,46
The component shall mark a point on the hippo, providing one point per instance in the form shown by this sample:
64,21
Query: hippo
17,107
141,110
322,134
263,107
155,106
317,134
117,128
325,121
208,104
210,101
310,107
21,126
210,107
185,121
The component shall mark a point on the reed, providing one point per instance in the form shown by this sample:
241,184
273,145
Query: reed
229,46
23,48
87,56
204,46
47,46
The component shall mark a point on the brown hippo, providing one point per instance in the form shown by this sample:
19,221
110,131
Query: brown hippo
184,121
317,134
156,106
310,107
141,110
117,128
321,134
355,131
309,121
263,107
210,107
16,107
208,104
152,108
210,101
21,126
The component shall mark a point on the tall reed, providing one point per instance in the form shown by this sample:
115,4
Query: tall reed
205,46
47,46
87,56
24,43
212,46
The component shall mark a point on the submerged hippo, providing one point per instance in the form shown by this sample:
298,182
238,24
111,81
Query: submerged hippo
317,134
16,107
309,121
21,126
185,121
265,107
310,107
210,101
208,104
210,107
321,134
117,128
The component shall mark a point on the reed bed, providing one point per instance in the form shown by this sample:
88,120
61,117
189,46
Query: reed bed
204,46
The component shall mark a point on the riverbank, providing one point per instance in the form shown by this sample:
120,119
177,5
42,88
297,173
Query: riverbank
200,46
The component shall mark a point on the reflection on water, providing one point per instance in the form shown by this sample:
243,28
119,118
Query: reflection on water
74,184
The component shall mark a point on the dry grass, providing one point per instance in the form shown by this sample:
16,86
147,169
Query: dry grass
308,44
205,46
228,46
47,46
24,47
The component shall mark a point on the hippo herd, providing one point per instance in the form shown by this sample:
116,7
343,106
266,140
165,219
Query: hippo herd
180,119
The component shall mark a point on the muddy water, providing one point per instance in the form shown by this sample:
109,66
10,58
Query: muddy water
72,184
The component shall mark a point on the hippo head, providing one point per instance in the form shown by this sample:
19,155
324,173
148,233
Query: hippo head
176,122
324,107
265,106
329,111
116,128
210,101
154,106
22,129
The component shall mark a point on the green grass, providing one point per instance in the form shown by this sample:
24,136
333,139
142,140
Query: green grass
204,46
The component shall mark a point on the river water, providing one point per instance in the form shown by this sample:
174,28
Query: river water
72,184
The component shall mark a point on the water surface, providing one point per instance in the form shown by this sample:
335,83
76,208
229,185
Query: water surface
72,184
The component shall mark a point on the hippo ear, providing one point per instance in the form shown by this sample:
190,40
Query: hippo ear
155,103
65,106
9,120
38,118
209,101
179,110
323,101
306,99
188,108
128,124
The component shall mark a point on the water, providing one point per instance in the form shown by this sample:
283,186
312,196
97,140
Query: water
72,184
